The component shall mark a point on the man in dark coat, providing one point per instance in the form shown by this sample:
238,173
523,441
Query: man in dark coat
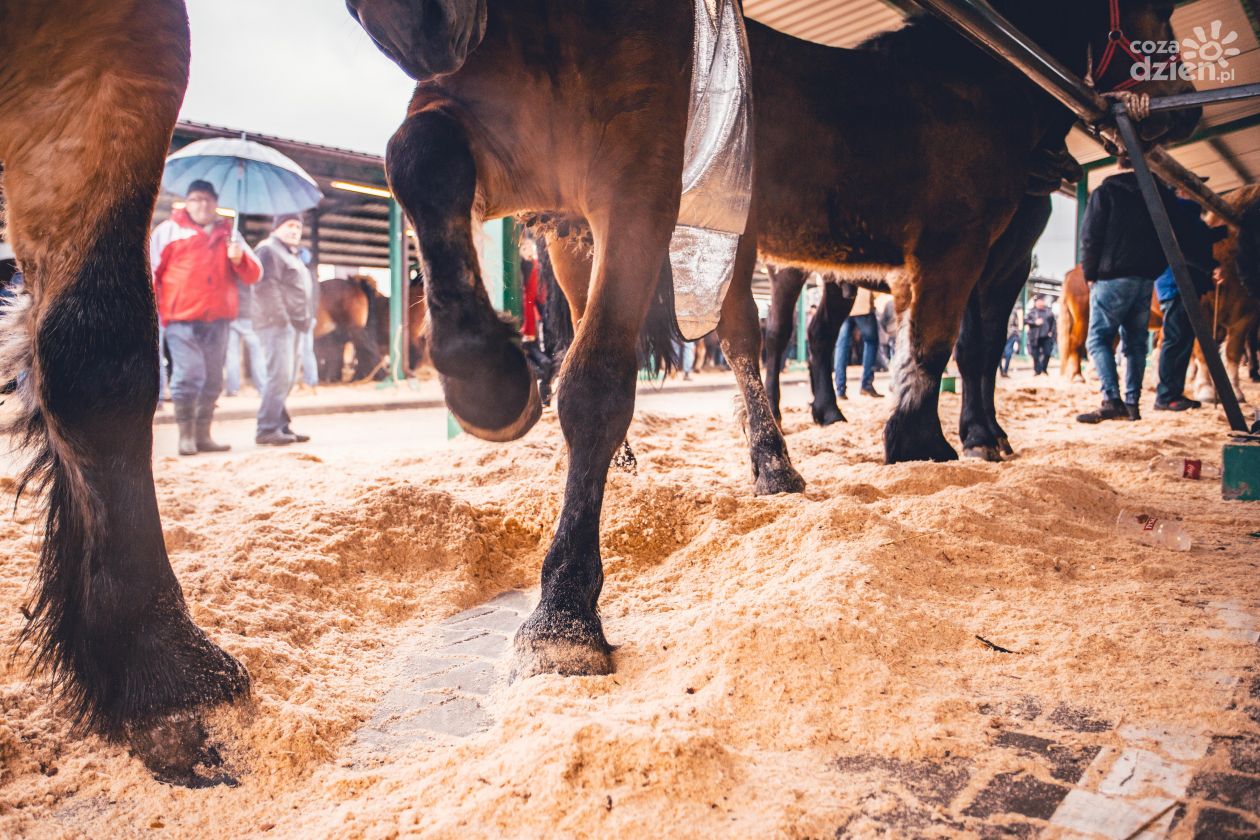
1040,321
280,313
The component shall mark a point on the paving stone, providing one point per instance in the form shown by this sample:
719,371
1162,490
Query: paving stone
1242,752
423,664
520,600
473,678
1078,720
936,783
458,716
502,621
1181,745
1017,793
487,645
1236,791
1095,814
1217,824
1067,764
1137,772
468,615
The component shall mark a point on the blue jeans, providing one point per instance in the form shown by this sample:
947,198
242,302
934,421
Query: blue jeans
1011,344
306,355
1120,306
197,353
164,372
277,351
1174,351
868,330
242,330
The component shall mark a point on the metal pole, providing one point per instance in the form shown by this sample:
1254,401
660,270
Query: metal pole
397,290
802,311
1185,285
983,24
1204,97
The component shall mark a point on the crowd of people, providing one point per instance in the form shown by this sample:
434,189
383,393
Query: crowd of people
214,291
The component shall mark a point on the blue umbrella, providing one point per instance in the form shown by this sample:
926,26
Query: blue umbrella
263,180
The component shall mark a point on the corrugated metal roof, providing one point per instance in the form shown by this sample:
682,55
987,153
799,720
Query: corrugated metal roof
839,23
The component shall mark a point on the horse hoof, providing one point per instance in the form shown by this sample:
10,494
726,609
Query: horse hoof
983,453
829,415
496,425
938,451
1006,450
175,750
778,476
555,643
1078,379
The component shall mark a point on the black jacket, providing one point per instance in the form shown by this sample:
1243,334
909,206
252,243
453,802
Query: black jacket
1117,236
1045,329
1197,242
282,294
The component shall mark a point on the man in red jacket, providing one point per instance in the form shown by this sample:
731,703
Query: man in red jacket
196,267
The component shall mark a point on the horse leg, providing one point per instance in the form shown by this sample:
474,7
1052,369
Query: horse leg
785,286
488,384
930,303
1253,353
1235,348
564,634
108,616
740,332
824,327
983,337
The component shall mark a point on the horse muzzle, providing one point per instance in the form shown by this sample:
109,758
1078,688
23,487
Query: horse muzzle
426,38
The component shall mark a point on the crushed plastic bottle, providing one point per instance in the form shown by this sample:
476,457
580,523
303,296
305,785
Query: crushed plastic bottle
1152,530
1185,467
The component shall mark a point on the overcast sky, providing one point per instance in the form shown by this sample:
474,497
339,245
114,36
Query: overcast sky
303,70
299,69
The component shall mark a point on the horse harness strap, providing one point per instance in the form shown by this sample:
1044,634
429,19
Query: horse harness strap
1117,41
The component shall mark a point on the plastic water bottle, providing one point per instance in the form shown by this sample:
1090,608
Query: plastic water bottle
1185,467
1152,530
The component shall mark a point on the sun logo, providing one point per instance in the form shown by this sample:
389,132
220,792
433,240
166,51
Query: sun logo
1210,48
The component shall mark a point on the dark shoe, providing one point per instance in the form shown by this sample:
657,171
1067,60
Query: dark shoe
1110,410
205,443
841,395
1177,404
296,437
871,392
186,420
1132,410
1004,374
275,439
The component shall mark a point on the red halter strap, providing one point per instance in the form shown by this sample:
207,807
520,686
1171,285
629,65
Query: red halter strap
1116,42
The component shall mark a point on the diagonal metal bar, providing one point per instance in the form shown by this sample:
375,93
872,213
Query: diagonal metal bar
1181,272
1204,97
980,22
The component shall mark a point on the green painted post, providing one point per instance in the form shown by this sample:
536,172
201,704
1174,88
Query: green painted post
397,290
1082,200
500,261
802,309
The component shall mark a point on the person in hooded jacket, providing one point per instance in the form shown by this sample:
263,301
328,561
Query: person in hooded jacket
1121,257
197,263
280,313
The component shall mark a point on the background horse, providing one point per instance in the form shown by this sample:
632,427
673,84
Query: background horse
352,312
91,91
1233,307
909,159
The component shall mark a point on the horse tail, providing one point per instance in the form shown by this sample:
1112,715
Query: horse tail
557,317
1066,349
660,338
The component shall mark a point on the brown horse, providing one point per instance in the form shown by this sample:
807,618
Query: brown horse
353,312
579,109
907,159
1233,307
89,93
1074,324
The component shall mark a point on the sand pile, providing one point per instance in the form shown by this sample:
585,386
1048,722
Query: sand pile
772,650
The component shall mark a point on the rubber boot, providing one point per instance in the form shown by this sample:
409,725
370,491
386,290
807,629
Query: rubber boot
186,419
205,414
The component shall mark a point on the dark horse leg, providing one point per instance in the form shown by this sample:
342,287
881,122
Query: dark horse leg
740,331
82,173
1253,354
824,329
983,337
785,285
488,384
930,303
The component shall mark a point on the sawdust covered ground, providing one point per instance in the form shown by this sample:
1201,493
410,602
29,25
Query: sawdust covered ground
775,653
